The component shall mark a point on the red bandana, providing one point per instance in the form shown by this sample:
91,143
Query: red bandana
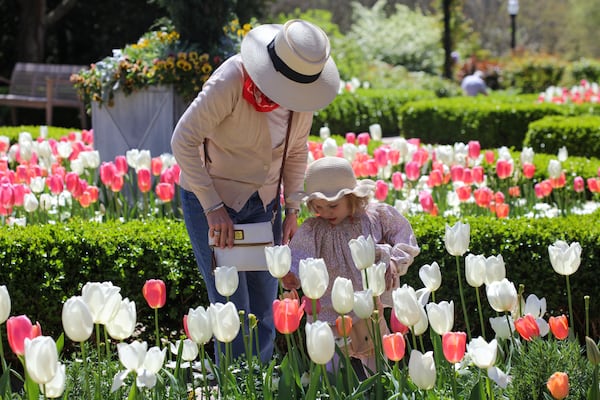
254,96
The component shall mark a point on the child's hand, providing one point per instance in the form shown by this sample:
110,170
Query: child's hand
290,281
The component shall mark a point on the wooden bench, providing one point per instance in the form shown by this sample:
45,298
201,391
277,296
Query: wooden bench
43,86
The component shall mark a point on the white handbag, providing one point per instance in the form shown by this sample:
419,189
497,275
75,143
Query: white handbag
248,251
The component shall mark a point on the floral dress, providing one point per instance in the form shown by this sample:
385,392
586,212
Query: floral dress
396,245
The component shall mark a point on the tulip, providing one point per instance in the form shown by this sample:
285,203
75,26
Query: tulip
502,327
279,260
311,307
320,343
18,329
421,369
527,327
482,353
374,278
394,346
314,277
554,169
559,326
342,295
343,325
565,258
422,324
189,350
330,147
144,180
454,346
475,270
145,363
502,295
535,306
197,325
324,132
122,325
499,377
103,300
363,304
375,131
155,293
495,269
41,359
287,314
441,316
558,385
431,276
56,387
593,353
77,319
397,326
225,321
406,306
4,304
363,251
457,238
165,191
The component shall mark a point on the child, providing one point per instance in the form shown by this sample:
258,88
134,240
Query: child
343,211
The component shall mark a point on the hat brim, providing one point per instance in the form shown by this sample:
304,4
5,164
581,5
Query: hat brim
364,188
283,91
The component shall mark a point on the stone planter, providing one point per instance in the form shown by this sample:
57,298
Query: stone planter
143,120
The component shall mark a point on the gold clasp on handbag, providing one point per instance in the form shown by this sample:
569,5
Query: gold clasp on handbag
238,234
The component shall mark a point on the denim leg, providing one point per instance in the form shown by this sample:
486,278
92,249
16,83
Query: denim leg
257,289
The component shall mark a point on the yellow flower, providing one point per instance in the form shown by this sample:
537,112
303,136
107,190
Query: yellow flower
207,68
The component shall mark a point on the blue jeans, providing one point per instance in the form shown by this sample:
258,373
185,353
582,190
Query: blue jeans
257,289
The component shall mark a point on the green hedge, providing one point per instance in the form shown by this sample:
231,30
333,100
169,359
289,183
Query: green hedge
12,132
356,111
579,134
42,266
494,122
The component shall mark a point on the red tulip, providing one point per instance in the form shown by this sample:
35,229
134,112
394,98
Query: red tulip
502,210
144,180
483,196
287,314
156,164
514,191
489,156
435,178
396,325
504,169
478,174
165,191
307,304
463,193
454,346
394,346
155,293
527,327
18,328
528,170
343,328
559,326
558,385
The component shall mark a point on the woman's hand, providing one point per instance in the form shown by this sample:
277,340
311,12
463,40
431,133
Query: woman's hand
220,227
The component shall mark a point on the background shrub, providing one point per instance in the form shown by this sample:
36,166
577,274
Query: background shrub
580,135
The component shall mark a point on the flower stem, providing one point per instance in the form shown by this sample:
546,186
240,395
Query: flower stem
462,298
480,312
156,327
571,316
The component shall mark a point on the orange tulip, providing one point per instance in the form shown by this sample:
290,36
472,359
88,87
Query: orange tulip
343,326
155,293
394,346
18,328
527,327
287,314
454,345
559,326
558,385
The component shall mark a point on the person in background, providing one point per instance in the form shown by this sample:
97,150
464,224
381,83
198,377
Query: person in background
473,84
230,144
343,211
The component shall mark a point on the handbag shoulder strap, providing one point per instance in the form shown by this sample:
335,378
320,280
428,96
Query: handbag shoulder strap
285,148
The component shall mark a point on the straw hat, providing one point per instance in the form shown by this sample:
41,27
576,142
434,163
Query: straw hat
291,64
331,178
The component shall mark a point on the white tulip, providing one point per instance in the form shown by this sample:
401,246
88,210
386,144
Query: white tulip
41,359
122,325
406,305
363,251
279,260
374,278
330,147
565,258
503,328
314,277
502,295
482,353
475,270
457,238
30,202
77,320
199,325
227,280
56,387
441,316
421,369
103,300
363,304
5,304
320,343
342,295
225,321
495,270
431,276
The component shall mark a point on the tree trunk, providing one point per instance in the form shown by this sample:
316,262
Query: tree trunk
447,40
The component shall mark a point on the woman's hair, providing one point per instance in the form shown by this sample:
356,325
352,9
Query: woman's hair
356,204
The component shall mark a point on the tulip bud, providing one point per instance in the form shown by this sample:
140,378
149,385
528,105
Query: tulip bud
227,280
77,320
363,251
431,276
279,260
421,369
320,343
342,295
343,325
558,385
155,293
4,304
592,351
457,238
197,325
41,359
314,277
363,304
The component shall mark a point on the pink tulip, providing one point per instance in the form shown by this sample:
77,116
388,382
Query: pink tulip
435,178
468,177
412,170
578,184
17,329
108,170
156,166
155,293
350,137
380,155
489,156
457,173
381,190
165,191
504,169
121,164
528,170
474,149
463,192
144,180
55,184
363,138
397,180
478,174
454,346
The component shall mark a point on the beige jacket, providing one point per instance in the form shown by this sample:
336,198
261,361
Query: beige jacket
239,158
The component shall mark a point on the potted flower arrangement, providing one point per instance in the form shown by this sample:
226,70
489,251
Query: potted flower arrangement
137,94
